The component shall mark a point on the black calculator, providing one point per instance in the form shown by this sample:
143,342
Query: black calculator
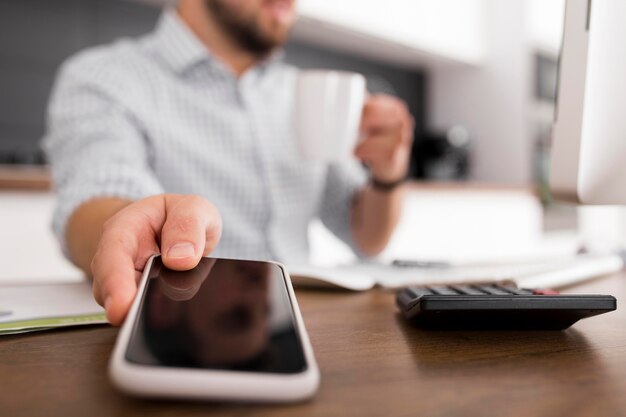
497,307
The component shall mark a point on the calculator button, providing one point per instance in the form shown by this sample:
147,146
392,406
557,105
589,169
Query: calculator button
492,290
417,292
545,292
515,290
467,290
443,290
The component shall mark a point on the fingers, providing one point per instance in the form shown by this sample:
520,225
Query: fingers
131,236
378,147
387,120
114,273
387,129
384,112
192,229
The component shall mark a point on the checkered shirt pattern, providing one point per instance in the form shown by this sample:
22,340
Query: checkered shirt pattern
160,114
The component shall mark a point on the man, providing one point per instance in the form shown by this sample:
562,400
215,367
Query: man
202,108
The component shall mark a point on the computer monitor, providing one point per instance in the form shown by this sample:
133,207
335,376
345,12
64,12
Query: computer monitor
589,142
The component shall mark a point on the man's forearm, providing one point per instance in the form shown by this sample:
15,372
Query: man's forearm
85,227
375,215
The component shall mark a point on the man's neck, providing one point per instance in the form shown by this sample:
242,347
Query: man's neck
216,41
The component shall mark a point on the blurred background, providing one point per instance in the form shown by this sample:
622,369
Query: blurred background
479,76
483,66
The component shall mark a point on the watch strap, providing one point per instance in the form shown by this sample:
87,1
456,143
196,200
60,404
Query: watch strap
386,186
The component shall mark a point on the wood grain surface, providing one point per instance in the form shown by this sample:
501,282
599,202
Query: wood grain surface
372,364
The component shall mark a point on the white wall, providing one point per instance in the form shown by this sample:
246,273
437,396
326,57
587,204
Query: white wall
495,101
421,29
492,100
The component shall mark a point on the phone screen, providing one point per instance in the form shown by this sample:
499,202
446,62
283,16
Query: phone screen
224,314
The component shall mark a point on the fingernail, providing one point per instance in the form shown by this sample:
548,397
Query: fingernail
181,250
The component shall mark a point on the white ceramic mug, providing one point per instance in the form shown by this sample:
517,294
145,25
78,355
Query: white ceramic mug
328,112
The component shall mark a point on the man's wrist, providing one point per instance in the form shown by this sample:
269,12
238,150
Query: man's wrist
386,186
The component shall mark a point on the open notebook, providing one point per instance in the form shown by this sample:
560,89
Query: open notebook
537,274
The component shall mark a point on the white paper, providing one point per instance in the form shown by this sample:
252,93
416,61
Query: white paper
39,307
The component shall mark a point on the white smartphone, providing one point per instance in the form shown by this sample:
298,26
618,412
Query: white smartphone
225,330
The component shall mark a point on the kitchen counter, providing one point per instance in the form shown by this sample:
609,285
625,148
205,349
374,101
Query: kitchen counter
25,177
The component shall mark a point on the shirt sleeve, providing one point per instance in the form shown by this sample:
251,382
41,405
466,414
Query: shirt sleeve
343,182
93,143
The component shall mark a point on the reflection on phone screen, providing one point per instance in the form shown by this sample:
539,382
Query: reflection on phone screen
223,314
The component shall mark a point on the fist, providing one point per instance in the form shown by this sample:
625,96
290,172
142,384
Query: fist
386,138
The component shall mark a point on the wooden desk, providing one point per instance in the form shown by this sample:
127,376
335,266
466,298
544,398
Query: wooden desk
372,364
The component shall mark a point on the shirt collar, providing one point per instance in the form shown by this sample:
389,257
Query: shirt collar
181,49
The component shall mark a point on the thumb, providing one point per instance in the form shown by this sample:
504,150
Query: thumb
192,228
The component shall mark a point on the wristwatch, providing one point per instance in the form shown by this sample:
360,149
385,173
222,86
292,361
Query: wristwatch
385,186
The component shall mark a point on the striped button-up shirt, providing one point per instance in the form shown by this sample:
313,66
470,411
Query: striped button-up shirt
160,114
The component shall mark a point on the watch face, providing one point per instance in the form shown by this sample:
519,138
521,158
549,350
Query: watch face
224,314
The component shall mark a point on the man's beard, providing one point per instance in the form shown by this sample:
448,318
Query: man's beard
244,30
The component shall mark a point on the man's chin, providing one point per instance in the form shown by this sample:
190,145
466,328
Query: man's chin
275,33
278,41
257,34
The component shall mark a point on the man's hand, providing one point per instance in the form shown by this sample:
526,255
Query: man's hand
387,129
182,227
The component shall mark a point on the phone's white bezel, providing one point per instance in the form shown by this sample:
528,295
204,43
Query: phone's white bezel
168,382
